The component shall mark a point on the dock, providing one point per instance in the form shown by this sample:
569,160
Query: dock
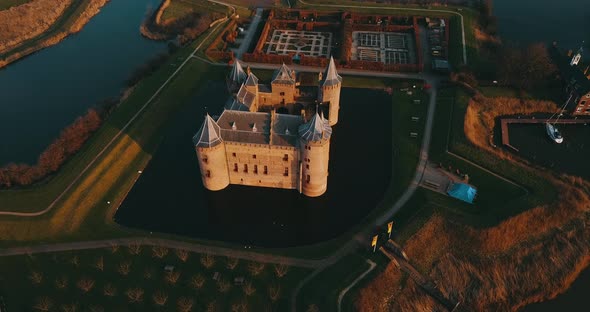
504,122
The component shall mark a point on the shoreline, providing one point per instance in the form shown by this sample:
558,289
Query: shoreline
76,23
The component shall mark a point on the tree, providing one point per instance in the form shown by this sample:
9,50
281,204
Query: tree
96,308
72,307
212,307
197,281
159,252
75,261
185,304
85,284
99,265
124,268
134,248
182,254
61,282
172,277
43,304
312,308
207,261
148,273
256,268
223,285
135,294
114,248
249,288
36,277
109,290
281,270
525,67
274,293
160,298
232,263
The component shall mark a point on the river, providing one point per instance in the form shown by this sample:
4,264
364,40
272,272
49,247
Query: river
44,92
568,23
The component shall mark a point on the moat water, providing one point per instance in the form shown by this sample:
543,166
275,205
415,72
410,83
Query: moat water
170,197
44,92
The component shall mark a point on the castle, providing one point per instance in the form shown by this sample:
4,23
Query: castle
273,135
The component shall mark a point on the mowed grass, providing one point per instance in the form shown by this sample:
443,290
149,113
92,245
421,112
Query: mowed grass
6,4
84,211
181,8
107,278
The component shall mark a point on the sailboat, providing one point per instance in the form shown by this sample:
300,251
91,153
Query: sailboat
551,128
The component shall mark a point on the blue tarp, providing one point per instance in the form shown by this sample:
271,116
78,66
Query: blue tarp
462,191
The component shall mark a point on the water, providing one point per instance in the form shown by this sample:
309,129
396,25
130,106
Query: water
526,21
170,197
42,93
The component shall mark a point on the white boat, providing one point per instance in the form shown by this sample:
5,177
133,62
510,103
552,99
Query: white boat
553,133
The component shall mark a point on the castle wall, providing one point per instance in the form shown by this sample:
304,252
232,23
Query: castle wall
331,94
213,167
283,93
314,170
247,164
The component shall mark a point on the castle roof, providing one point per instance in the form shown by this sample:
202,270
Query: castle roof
331,77
259,128
234,104
283,76
316,129
245,96
252,80
209,135
237,73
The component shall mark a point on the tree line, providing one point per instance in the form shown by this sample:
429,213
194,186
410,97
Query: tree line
70,140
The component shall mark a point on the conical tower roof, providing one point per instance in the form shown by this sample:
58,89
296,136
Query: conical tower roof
237,74
331,77
283,76
209,135
252,80
316,129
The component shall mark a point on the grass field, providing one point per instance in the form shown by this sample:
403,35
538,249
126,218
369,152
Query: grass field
132,278
6,4
181,8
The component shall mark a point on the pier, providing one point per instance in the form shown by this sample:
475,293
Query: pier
504,122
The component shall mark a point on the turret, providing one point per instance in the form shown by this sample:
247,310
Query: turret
329,91
578,56
236,77
283,85
211,155
314,141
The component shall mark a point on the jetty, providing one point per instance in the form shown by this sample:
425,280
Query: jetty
504,122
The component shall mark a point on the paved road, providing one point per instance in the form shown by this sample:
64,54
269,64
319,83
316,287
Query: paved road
249,34
193,247
372,265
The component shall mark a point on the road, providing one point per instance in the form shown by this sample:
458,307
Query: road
372,265
249,34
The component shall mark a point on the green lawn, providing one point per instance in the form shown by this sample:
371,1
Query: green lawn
6,4
102,277
181,8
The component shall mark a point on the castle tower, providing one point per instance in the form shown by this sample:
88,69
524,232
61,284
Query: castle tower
236,77
314,146
283,86
329,91
211,154
576,58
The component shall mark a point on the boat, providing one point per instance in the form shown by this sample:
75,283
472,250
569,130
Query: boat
553,133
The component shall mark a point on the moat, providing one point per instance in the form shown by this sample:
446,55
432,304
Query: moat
169,196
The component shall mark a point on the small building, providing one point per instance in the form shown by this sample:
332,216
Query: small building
576,81
442,66
462,191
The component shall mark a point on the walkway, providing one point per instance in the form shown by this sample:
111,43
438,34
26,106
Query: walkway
245,44
193,247
372,266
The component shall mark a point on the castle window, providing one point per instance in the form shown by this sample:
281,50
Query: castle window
286,173
282,93
306,166
286,157
208,174
236,167
233,154
583,103
265,170
256,169
246,168
307,179
205,159
254,156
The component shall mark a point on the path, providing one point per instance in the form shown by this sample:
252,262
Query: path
372,266
350,6
245,44
193,247
108,145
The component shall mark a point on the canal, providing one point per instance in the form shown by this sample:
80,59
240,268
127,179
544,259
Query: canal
44,92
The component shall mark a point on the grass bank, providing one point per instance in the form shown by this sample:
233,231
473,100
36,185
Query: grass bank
7,4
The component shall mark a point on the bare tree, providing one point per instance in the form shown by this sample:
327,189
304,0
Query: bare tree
72,307
160,298
135,294
159,252
274,293
256,268
223,285
109,290
182,254
61,282
185,304
134,248
239,307
197,281
85,284
99,265
172,277
281,270
212,307
249,288
232,263
114,248
312,308
43,304
207,260
36,277
124,268
148,273
75,261
96,308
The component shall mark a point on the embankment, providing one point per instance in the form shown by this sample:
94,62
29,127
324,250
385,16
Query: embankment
33,26
530,257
